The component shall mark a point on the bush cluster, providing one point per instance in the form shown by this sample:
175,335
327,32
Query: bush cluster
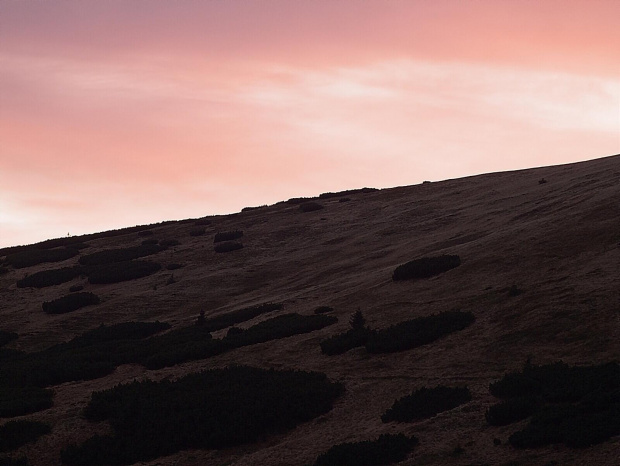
417,332
356,336
197,231
310,206
50,277
150,242
122,271
110,256
10,461
227,246
7,337
17,399
32,257
387,449
14,434
75,288
425,403
347,192
202,222
425,267
577,406
323,310
145,233
219,408
70,303
167,243
174,266
240,315
227,236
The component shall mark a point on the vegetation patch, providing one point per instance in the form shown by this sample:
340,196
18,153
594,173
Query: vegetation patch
417,332
238,316
323,310
347,192
200,231
575,405
7,337
122,271
9,461
50,277
387,449
227,236
202,222
227,246
150,242
219,408
310,206
14,434
32,257
174,266
425,267
167,243
145,233
110,256
426,403
356,336
20,400
70,303
75,288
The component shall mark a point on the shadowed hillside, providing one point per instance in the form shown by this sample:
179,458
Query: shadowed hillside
504,273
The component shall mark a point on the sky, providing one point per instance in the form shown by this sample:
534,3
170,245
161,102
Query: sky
118,113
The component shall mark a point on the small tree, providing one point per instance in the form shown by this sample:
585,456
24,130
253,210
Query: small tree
200,320
357,321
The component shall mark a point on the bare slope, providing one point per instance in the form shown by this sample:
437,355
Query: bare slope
558,242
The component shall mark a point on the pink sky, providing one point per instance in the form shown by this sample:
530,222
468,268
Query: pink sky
117,113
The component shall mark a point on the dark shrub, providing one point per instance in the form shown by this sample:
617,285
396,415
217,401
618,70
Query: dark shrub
122,271
3,270
202,222
347,192
227,236
20,400
425,267
514,291
9,461
7,337
70,302
118,332
298,200
32,257
227,246
14,434
145,233
110,256
417,332
75,288
310,206
50,277
240,315
425,403
150,242
248,209
511,410
197,231
343,342
542,181
174,266
344,199
167,243
387,449
323,310
215,409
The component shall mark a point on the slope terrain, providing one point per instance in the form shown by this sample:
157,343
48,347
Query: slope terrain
539,269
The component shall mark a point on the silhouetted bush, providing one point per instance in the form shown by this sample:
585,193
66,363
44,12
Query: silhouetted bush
110,256
577,406
50,277
323,310
227,246
32,257
202,221
3,270
310,206
387,449
417,332
14,434
514,291
240,315
145,233
167,243
215,409
425,403
70,302
17,400
122,271
75,288
248,209
344,199
150,242
343,342
174,266
298,200
7,337
425,267
118,332
9,461
197,231
227,236
347,192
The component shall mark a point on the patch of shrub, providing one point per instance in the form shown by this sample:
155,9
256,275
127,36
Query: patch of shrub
50,277
227,246
578,406
145,233
298,200
310,206
122,271
167,243
174,266
347,192
110,256
425,267
32,257
426,403
417,332
75,288
10,461
7,337
21,400
514,291
202,222
387,449
323,310
355,337
70,303
197,231
227,236
3,270
14,434
344,199
207,410
240,315
150,242
248,209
